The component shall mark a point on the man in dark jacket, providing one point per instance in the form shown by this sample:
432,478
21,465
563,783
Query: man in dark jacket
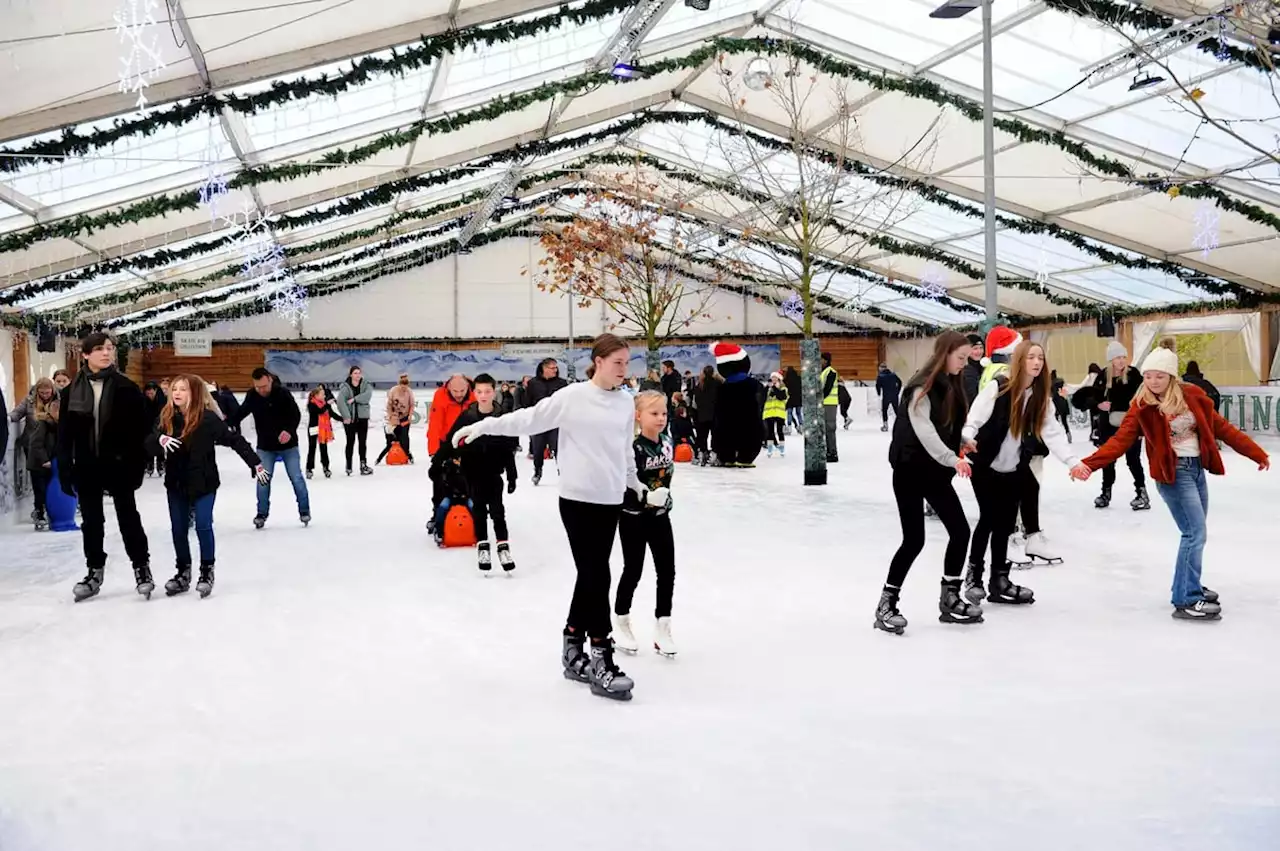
889,388
671,383
1196,377
102,432
972,374
275,417
547,382
229,405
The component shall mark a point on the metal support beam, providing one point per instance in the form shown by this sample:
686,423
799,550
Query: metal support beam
989,166
439,76
962,47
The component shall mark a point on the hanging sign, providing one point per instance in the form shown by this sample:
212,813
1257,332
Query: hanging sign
534,350
193,344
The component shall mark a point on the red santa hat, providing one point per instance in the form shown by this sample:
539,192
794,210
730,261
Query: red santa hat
1001,340
726,352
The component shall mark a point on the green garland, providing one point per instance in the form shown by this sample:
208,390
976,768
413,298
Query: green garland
429,49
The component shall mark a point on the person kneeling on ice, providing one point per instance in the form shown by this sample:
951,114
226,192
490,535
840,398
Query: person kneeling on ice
483,461
1182,431
187,436
646,522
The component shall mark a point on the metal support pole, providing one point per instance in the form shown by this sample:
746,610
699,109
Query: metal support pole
989,164
571,374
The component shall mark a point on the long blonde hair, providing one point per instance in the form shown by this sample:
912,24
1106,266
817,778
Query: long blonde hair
1174,401
193,414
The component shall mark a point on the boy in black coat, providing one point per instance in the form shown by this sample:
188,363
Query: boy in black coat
102,430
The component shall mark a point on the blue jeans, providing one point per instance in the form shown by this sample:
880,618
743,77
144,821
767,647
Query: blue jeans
292,461
1188,501
180,508
795,417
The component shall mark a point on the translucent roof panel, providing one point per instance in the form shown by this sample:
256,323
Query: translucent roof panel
901,29
681,18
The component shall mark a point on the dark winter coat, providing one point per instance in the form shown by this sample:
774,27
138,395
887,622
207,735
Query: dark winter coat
681,426
971,377
228,404
192,468
272,414
704,401
116,461
672,383
1206,385
484,457
906,450
888,385
791,380
1120,395
4,425
737,432
42,444
541,388
156,405
314,411
24,412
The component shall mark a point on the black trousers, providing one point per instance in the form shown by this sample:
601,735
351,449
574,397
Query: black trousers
40,481
312,441
701,432
486,502
1030,506
912,487
773,430
591,530
357,431
1133,457
402,437
829,420
638,531
999,497
538,445
887,402
93,524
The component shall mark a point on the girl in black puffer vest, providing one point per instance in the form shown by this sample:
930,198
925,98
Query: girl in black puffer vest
925,457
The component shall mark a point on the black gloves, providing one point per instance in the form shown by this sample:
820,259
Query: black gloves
511,486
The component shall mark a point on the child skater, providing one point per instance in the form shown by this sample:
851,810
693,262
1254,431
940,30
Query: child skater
319,429
187,435
597,466
924,454
647,523
1011,420
775,415
1182,431
483,461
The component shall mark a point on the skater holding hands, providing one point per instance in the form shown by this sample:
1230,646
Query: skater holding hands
1182,431
646,523
187,436
319,429
924,453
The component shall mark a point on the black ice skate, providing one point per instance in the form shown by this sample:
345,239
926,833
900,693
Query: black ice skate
1104,498
41,522
1004,591
484,557
205,586
888,618
348,471
537,477
1208,594
607,679
953,609
309,472
142,578
504,557
180,582
974,590
260,521
1201,610
305,518
328,475
884,427
574,658
366,470
89,586
1141,502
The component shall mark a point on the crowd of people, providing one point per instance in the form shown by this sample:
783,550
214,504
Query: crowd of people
988,410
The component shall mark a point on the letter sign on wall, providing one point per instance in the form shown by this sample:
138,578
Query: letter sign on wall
193,344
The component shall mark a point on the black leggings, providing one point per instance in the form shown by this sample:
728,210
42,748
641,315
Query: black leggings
486,502
701,431
591,529
638,531
999,497
40,481
773,430
357,431
913,486
312,442
1132,457
1028,507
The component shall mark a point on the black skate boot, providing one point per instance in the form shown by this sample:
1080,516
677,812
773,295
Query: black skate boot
1208,594
180,582
484,557
348,471
1201,610
1141,502
309,474
89,586
888,618
607,679
305,518
142,577
574,658
260,521
537,477
328,474
884,427
1004,591
205,586
41,522
952,607
1104,498
366,470
974,590
504,557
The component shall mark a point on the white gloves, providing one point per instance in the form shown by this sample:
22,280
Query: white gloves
169,444
260,473
466,434
658,497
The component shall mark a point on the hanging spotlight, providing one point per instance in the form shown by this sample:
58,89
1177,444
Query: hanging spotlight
1144,80
700,5
625,71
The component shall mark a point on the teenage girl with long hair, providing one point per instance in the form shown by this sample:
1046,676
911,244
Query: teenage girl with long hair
1011,421
1182,431
925,457
597,466
187,434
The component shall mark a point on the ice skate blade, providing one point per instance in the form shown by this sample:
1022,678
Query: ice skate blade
611,695
1006,602
630,651
665,654
1179,616
1021,565
575,678
1039,560
896,630
945,618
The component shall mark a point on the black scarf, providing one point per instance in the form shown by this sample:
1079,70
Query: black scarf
80,398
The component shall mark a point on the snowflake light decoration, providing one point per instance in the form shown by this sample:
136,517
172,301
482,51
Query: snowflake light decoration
931,284
290,302
792,307
1206,221
856,304
141,63
214,186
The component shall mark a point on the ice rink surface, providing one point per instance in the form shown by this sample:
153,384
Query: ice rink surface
349,685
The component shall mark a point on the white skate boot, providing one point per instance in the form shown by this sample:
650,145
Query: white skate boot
1018,558
623,638
662,640
1039,550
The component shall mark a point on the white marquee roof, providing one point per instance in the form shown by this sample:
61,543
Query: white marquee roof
65,59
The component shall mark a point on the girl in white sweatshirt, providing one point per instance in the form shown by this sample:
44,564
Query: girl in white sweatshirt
1011,422
597,466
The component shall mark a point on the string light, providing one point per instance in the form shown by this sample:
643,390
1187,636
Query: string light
141,62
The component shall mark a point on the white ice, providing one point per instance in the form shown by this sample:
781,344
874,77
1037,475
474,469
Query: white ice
350,686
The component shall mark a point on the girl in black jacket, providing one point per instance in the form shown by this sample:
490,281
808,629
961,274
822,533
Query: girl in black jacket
187,435
42,448
925,455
